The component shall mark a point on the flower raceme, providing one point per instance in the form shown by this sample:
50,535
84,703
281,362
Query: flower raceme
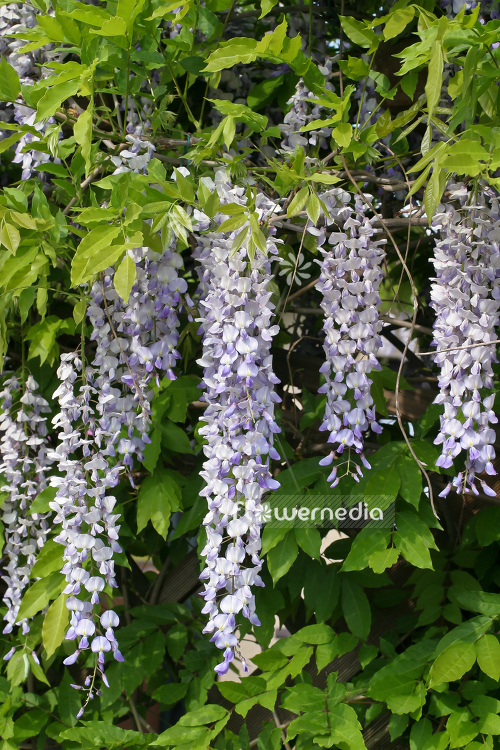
466,298
349,284
238,384
24,465
104,417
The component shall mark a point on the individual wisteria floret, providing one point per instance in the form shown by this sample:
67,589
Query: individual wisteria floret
466,297
84,509
349,283
238,387
23,468
136,344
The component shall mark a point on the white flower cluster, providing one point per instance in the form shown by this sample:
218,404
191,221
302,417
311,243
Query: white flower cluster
24,463
466,297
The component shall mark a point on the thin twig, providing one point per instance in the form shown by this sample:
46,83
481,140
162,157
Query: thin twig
84,185
277,724
396,322
135,714
304,289
460,348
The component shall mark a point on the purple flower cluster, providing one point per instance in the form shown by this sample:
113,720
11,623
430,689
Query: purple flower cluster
136,342
349,282
304,111
85,510
24,463
103,425
466,297
238,385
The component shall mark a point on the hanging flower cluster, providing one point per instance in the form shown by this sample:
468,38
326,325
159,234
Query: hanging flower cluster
466,297
302,112
349,284
238,385
83,507
24,464
104,416
136,342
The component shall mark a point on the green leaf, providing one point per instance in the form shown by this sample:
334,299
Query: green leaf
488,656
54,97
10,87
177,638
365,544
49,560
6,143
345,729
171,693
266,6
479,601
55,625
358,32
238,51
452,663
489,724
41,502
381,560
124,278
79,311
420,733
103,734
324,178
298,202
321,591
92,250
487,526
398,21
356,608
384,483
9,237
174,438
39,595
434,191
270,660
309,540
315,634
281,557
414,539
204,715
342,134
241,112
434,77
83,135
159,497
411,480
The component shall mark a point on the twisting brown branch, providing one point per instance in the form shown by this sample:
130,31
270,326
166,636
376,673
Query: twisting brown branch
415,308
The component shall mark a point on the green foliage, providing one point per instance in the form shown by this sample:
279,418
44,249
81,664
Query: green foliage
433,672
